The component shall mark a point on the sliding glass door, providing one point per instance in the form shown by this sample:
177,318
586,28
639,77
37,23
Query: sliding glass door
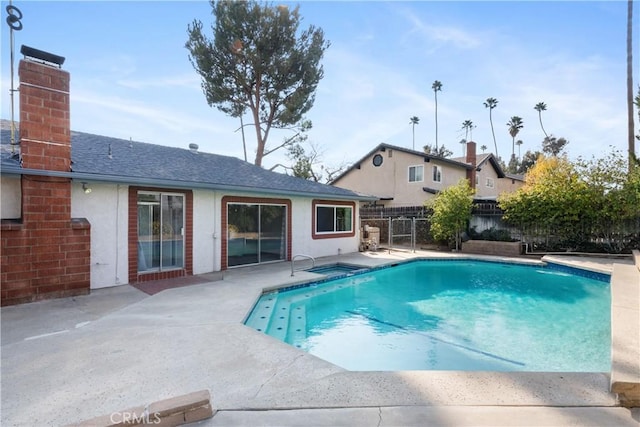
160,231
256,233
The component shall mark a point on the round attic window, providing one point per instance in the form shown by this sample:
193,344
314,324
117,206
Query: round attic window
377,160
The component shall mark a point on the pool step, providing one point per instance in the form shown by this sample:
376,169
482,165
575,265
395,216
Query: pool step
261,316
279,323
297,325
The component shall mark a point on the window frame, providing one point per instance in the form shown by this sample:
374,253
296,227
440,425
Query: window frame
335,233
490,183
437,172
415,167
163,241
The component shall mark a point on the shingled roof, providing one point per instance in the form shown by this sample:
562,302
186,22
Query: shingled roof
105,159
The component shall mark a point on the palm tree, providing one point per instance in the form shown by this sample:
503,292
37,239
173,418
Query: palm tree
437,87
630,128
540,107
515,124
519,144
467,126
463,142
491,103
483,148
413,121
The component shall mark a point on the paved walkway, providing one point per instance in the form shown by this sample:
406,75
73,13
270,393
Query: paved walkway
73,359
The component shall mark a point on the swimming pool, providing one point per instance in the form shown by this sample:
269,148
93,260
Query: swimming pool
447,315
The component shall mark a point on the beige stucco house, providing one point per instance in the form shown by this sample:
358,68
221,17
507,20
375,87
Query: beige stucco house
399,176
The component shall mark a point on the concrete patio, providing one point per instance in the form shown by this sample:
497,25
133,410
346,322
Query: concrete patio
69,360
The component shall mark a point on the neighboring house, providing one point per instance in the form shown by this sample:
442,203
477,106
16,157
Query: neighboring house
83,211
401,177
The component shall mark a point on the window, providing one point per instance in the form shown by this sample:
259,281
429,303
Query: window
416,173
477,179
256,233
490,182
377,160
160,231
333,219
437,173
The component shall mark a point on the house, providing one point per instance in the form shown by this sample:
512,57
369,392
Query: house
401,177
83,211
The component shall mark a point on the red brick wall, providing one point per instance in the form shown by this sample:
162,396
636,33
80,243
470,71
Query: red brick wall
471,158
46,254
134,276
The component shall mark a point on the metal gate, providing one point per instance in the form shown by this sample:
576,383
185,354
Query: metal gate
402,233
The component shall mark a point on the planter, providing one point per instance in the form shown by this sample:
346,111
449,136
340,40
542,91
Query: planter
488,247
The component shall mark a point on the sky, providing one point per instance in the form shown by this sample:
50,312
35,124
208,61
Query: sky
131,76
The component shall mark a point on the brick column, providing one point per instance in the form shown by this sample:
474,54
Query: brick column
47,254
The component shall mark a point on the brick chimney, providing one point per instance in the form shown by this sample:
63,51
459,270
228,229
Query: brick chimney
44,117
47,253
472,160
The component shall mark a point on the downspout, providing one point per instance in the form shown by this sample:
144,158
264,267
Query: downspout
117,232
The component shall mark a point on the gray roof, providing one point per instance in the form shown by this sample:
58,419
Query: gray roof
106,159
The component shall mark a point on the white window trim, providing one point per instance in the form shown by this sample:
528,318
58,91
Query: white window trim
439,170
490,182
409,173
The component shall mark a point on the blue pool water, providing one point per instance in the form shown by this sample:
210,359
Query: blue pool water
447,315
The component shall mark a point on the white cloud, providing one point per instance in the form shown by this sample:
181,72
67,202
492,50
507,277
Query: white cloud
187,80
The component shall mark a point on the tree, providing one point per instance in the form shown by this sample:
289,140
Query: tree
576,203
636,101
540,107
614,195
442,151
468,126
437,87
554,200
483,148
528,160
630,119
515,124
308,164
492,103
451,211
463,142
413,121
553,146
256,63
519,144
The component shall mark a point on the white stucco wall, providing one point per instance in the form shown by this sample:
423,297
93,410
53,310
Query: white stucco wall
11,197
302,229
206,232
106,209
391,178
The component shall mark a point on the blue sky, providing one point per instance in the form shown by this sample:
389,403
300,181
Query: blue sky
131,77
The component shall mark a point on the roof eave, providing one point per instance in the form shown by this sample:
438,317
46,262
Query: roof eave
136,181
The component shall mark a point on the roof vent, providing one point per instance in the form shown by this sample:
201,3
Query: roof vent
193,147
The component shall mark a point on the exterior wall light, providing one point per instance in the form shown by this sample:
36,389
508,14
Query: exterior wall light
86,188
